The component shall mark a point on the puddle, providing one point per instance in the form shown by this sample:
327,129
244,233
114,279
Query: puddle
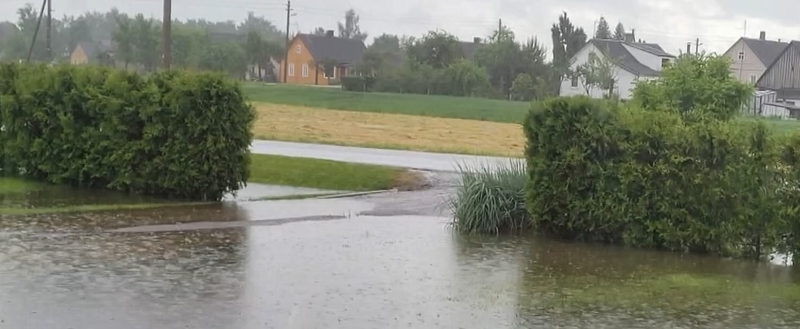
255,192
364,272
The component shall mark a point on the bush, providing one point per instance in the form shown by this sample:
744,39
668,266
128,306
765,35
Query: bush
600,172
490,200
696,86
174,134
362,84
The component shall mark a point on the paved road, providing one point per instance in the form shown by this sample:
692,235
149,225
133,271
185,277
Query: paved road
396,158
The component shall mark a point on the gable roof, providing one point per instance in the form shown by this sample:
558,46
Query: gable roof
93,49
767,51
615,50
469,49
770,66
342,50
652,48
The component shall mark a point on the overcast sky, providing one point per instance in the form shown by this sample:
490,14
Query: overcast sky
671,23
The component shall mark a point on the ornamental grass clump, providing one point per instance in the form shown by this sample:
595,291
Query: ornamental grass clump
490,199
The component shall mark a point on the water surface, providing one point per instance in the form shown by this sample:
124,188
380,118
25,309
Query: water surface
73,271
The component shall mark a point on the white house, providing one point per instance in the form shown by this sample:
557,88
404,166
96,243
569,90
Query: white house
632,62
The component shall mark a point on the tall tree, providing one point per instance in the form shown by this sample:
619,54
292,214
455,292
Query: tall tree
124,38
351,29
619,32
567,41
146,41
603,30
437,49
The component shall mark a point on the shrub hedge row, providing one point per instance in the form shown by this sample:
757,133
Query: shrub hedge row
602,172
173,134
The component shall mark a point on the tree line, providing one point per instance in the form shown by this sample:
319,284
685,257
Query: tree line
499,66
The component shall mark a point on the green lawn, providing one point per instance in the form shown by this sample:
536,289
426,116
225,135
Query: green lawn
425,105
323,174
265,169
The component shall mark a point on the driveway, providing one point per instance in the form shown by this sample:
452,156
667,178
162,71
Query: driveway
395,158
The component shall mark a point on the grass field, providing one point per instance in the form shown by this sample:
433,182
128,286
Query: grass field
393,131
265,169
422,105
330,175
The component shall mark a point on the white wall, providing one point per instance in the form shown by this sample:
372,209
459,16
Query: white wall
625,80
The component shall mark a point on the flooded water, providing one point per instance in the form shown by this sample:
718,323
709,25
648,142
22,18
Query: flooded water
317,264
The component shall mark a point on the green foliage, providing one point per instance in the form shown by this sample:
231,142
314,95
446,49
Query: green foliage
650,179
603,31
363,84
695,86
437,49
174,134
490,200
523,89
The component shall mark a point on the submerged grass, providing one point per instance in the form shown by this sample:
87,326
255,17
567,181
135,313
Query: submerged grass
676,292
490,200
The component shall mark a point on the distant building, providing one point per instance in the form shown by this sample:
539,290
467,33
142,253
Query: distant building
751,57
99,53
632,61
308,53
469,49
783,75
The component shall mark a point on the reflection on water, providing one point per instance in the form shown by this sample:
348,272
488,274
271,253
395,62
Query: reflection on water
365,272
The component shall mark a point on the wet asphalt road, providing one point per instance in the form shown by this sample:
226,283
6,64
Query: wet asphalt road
395,158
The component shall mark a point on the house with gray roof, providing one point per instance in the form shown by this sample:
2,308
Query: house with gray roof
631,62
319,59
783,75
750,58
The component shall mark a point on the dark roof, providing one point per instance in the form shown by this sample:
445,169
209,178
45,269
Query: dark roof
470,48
616,50
767,51
650,48
93,49
342,50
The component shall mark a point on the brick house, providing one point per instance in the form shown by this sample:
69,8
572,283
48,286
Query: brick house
308,56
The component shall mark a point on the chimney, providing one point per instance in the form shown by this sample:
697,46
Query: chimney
688,47
762,35
329,33
476,40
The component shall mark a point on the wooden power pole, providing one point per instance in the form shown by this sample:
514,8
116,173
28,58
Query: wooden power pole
286,54
166,28
36,31
49,31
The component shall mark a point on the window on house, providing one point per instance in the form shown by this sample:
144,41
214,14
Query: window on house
291,70
299,49
592,57
305,70
333,74
664,63
741,55
574,82
753,78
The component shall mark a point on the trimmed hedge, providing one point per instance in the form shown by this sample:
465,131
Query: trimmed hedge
601,172
174,134
362,84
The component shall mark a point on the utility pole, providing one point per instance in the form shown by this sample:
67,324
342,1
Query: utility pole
36,31
167,34
286,55
49,31
697,46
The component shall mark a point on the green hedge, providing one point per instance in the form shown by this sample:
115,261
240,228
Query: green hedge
362,84
601,172
174,134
